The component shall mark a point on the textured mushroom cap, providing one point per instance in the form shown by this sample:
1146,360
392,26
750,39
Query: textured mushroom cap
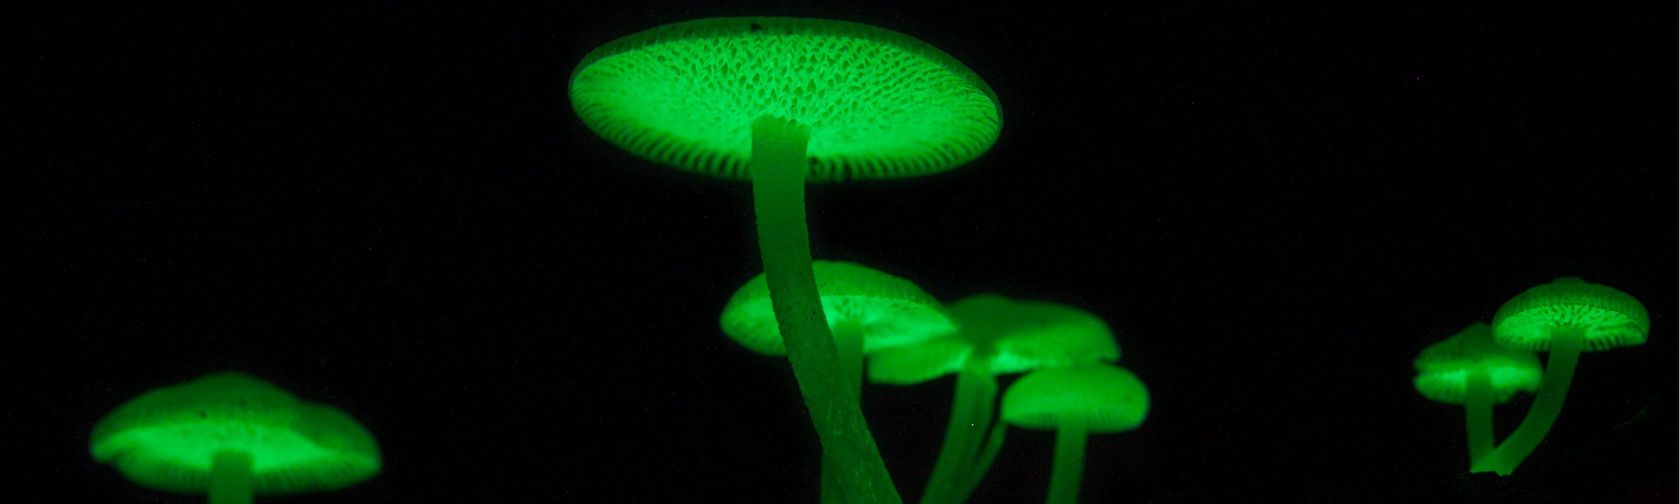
1607,318
880,104
1443,369
885,309
167,437
1105,397
1018,336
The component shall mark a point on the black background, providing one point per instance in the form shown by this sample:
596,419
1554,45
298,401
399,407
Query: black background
393,209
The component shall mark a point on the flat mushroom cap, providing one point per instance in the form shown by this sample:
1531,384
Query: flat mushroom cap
1443,368
879,104
1020,335
887,310
1105,397
167,437
1607,318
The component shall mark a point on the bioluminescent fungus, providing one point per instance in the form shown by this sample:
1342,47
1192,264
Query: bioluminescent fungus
233,436
780,102
1469,369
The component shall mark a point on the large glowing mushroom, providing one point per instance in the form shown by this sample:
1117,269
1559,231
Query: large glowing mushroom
782,102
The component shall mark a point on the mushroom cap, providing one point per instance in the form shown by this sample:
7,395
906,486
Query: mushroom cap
1017,335
887,310
879,104
1105,397
1443,368
1607,318
167,437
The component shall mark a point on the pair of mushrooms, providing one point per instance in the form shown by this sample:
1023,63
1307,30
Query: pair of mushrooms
1482,366
910,338
232,436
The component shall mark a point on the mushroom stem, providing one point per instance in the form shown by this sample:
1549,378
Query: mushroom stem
1069,466
230,478
971,412
848,342
778,173
994,443
1554,386
1478,413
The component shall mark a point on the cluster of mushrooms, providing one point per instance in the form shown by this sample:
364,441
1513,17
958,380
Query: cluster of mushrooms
1485,365
784,102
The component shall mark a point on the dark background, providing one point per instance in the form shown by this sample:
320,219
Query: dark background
394,210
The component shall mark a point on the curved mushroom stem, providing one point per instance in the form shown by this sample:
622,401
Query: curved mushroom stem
971,414
994,443
1069,467
848,342
778,175
230,478
1478,414
1554,386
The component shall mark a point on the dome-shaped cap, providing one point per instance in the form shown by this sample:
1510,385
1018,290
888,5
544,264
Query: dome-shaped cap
1607,318
167,438
1016,336
886,310
1105,397
879,104
1443,369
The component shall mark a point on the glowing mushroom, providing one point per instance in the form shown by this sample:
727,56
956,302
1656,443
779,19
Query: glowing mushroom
232,436
1075,402
1469,369
998,336
779,102
1565,317
866,310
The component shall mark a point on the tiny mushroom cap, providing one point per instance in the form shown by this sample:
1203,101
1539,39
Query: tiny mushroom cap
886,310
166,438
879,104
1016,336
1443,368
1104,397
1606,318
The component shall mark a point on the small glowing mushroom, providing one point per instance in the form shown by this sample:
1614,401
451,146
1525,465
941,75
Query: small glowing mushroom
866,310
1075,401
1469,369
779,102
232,436
1565,317
998,336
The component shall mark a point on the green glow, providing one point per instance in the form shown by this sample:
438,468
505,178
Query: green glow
1011,335
998,335
1566,317
231,478
884,310
1470,369
1093,398
1444,368
782,101
176,438
880,104
852,461
1609,318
